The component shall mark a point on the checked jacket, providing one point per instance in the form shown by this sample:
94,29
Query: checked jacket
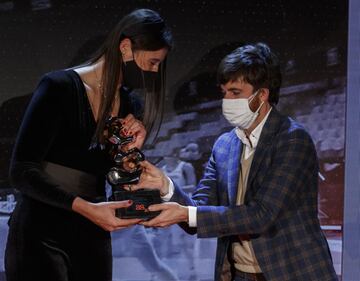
280,208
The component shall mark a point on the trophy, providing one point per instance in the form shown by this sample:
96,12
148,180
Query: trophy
126,170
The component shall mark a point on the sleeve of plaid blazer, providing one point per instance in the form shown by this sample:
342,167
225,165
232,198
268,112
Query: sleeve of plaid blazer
205,194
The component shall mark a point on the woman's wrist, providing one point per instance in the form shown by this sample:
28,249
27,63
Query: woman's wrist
81,206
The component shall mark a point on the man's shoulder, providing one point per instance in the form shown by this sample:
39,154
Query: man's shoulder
293,127
225,138
224,142
291,130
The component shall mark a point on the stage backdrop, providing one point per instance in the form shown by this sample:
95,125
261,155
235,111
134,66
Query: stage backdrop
310,37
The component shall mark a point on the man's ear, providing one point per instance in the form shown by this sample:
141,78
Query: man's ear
264,94
125,49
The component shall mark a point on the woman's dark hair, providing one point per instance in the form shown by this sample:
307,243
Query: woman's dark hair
257,65
146,31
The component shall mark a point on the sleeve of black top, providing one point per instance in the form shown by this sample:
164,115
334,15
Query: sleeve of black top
37,132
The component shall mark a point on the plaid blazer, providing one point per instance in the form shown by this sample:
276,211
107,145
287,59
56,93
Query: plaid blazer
280,209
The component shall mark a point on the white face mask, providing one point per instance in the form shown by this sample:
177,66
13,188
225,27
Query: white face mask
238,113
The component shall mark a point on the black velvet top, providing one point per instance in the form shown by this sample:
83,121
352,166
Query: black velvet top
58,127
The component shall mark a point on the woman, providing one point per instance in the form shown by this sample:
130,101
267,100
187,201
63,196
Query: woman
60,227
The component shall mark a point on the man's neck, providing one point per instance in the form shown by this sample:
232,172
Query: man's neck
262,113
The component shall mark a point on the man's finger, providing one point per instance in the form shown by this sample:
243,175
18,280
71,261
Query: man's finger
136,187
132,187
157,207
146,164
159,219
129,146
150,223
156,223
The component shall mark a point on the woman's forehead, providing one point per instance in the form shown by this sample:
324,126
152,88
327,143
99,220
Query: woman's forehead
155,55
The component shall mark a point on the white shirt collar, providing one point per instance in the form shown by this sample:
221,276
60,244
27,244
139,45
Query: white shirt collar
254,135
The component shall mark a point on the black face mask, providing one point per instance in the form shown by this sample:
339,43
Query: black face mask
136,78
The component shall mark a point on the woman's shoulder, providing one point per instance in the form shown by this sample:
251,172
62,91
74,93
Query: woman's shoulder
59,77
56,85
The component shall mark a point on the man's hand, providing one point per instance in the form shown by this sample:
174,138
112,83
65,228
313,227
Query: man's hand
171,213
151,178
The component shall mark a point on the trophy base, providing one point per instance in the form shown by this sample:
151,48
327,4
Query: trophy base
142,199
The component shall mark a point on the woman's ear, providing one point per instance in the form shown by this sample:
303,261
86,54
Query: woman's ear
125,49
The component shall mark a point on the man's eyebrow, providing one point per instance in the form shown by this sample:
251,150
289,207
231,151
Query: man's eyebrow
235,89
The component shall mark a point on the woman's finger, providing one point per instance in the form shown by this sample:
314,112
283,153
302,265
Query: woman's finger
127,119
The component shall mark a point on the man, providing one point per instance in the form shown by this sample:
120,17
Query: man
259,191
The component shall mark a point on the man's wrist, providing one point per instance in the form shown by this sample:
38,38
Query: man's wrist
165,187
192,219
186,214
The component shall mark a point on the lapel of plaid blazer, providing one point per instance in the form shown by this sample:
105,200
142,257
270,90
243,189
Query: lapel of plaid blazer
270,128
234,167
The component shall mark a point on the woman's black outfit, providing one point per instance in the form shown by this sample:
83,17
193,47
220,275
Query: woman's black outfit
47,240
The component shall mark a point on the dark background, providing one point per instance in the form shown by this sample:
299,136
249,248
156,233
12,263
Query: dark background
38,36
42,35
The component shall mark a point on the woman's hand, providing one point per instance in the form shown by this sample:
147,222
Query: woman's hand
151,178
103,214
134,127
